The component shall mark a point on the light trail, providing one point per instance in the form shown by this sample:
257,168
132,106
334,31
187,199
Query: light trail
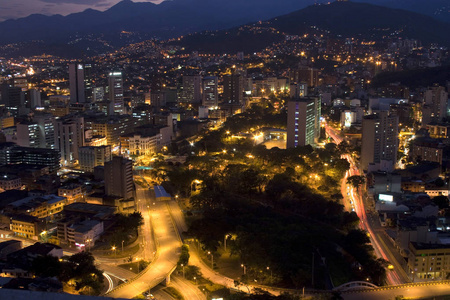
110,282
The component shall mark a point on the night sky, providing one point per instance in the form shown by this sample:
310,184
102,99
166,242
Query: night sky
13,9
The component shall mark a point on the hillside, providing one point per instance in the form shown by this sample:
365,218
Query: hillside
343,19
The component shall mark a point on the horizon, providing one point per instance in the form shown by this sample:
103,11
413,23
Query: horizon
16,9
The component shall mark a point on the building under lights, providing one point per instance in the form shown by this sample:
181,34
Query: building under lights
303,125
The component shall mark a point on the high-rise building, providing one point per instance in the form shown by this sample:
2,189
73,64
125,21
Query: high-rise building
115,88
90,157
28,134
80,83
69,136
233,89
209,89
12,97
435,105
379,140
304,74
191,89
303,126
119,177
46,123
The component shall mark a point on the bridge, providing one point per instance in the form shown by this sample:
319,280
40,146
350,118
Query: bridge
355,285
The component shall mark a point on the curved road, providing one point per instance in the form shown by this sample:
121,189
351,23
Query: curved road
396,276
168,247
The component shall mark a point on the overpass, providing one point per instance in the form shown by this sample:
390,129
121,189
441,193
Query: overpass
159,225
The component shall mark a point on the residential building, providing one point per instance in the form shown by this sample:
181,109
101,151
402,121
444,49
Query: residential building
233,89
10,182
435,105
303,121
210,96
69,136
72,192
91,157
191,89
26,226
379,139
119,177
429,261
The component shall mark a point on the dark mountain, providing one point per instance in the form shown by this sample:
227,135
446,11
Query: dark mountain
168,19
341,19
438,9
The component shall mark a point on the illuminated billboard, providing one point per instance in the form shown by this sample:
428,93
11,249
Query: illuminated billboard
384,197
348,119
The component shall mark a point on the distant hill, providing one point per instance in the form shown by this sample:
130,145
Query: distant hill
344,19
168,19
438,9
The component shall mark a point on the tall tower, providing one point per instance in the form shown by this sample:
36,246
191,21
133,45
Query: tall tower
115,82
209,87
435,108
119,177
192,89
303,126
379,139
80,83
69,136
233,89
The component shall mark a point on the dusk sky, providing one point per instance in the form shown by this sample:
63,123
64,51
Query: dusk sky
13,9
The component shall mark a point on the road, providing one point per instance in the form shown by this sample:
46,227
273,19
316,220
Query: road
168,242
371,225
416,291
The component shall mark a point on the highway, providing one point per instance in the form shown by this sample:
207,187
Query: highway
168,243
371,225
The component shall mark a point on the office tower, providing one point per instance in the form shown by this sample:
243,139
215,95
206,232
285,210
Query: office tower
80,83
233,89
34,98
12,97
435,105
46,123
12,154
304,74
69,136
115,89
303,121
91,157
209,89
28,134
119,177
191,89
379,140
98,94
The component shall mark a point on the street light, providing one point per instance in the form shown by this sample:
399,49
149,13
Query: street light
122,245
195,278
182,265
268,268
245,269
114,249
212,259
225,241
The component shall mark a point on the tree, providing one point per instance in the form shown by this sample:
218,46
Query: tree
46,266
441,201
81,268
356,181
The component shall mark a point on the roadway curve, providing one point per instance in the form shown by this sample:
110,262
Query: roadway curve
396,276
168,247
